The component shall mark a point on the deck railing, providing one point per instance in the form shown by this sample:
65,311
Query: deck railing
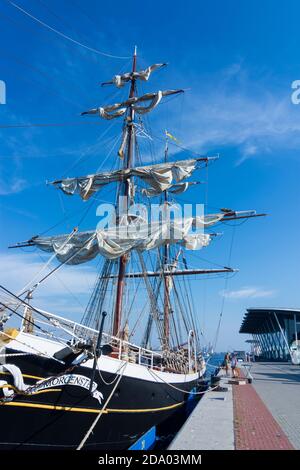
121,349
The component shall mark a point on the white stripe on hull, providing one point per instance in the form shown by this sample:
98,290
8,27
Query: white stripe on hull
29,343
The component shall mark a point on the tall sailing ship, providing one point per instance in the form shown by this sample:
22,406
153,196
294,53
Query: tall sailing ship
87,384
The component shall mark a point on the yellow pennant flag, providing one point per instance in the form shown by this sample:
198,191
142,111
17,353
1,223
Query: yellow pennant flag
172,137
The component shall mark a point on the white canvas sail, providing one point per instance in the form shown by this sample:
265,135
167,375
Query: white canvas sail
118,109
120,80
176,188
119,240
159,177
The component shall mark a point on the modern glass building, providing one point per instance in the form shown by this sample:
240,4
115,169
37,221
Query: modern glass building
273,331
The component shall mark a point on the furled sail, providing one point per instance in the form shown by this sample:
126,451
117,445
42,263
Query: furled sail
223,216
119,240
76,249
120,80
159,177
176,188
118,109
133,233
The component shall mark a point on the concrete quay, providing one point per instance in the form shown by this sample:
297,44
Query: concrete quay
263,415
210,425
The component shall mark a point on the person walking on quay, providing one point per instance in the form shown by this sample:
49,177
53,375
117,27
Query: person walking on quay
227,363
233,364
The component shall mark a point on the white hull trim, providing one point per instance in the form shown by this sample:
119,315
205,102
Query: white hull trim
25,342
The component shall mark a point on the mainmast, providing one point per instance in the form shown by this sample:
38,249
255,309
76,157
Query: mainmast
127,164
166,277
80,247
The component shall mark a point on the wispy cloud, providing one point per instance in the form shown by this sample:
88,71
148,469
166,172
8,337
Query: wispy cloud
248,292
12,186
66,291
235,110
12,178
231,109
22,212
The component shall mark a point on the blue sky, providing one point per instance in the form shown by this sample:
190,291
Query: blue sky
236,58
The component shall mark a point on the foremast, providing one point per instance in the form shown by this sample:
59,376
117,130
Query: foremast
126,190
167,279
159,178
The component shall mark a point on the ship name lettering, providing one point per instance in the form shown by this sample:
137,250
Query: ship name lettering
70,379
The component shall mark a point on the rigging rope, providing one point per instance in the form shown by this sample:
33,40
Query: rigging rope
45,277
21,316
152,298
90,430
34,310
39,353
95,304
45,124
24,290
224,292
96,51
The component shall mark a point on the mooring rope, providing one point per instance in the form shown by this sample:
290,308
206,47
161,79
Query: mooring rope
90,430
179,389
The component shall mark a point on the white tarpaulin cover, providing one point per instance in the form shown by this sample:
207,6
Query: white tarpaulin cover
159,177
117,241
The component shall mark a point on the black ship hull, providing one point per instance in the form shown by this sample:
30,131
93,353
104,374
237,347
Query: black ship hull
60,412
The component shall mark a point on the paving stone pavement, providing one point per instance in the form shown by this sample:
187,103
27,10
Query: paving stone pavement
278,385
254,426
264,415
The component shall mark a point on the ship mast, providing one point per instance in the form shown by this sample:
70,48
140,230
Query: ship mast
127,164
166,277
80,247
